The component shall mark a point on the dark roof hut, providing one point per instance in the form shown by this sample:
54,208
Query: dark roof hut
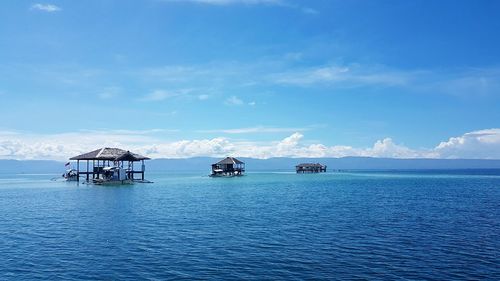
310,168
106,160
108,153
228,167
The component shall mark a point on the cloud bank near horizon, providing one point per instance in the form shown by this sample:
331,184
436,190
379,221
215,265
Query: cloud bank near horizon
481,144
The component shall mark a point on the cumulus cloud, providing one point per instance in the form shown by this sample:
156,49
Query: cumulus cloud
49,8
482,144
387,148
189,148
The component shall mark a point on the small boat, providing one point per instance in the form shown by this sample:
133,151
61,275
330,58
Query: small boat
70,175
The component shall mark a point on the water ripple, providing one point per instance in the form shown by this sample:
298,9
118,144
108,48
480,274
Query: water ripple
273,226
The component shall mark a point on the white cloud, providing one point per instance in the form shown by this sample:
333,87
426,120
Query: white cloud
478,144
483,144
234,100
179,93
458,82
219,78
159,95
387,148
348,76
203,97
189,148
283,71
50,8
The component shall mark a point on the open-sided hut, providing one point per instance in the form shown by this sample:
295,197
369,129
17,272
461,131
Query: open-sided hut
310,168
101,162
228,166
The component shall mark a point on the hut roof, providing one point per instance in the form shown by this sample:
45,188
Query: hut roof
230,160
129,156
309,165
107,153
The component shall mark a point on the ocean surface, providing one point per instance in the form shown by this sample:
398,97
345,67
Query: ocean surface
427,225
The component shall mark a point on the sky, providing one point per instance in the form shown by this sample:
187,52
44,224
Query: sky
254,78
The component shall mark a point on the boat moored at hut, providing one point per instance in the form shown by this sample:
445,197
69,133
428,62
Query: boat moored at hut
70,175
110,166
228,167
310,168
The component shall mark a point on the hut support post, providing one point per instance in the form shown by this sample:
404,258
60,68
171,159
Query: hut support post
87,170
132,169
77,170
142,170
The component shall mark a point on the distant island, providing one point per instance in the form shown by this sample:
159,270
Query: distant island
203,164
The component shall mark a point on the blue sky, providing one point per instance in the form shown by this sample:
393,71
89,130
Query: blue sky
215,77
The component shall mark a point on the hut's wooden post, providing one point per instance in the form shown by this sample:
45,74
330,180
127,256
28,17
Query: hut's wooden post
77,170
142,169
132,169
87,170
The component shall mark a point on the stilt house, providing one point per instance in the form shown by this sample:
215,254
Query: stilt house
310,168
228,166
108,162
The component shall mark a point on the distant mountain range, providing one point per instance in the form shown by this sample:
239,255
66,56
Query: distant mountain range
282,164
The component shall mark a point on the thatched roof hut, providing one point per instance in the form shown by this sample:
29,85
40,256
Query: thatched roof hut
229,160
228,166
98,161
111,154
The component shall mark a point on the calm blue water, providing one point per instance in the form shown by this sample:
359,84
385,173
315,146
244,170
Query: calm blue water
384,225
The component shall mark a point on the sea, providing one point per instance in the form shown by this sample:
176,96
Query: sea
344,225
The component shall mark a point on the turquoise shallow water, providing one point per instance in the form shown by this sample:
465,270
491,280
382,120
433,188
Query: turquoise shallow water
360,225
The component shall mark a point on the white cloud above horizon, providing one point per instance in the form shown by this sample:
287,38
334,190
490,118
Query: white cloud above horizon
49,8
481,144
203,81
